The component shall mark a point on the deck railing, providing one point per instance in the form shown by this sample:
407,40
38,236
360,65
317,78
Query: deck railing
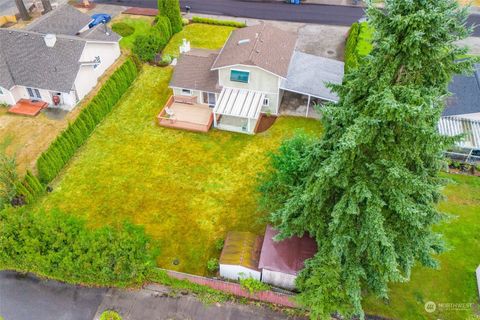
173,122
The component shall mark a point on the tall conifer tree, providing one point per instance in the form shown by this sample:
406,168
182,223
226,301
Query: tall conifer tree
368,189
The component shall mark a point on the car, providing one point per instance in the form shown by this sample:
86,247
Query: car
99,18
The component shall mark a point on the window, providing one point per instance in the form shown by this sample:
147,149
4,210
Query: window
34,93
187,92
266,102
239,76
97,62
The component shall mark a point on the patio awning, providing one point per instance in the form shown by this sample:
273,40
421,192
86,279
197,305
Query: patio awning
239,103
454,126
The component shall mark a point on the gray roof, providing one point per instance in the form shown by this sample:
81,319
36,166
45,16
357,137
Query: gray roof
309,74
193,71
69,21
465,97
31,63
262,45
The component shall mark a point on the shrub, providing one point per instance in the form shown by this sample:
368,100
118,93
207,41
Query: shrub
110,315
8,179
146,47
219,243
213,265
185,21
165,60
4,105
61,246
65,145
253,285
358,45
123,29
164,26
228,23
171,9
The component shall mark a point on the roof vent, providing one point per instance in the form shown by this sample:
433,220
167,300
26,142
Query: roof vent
50,40
244,41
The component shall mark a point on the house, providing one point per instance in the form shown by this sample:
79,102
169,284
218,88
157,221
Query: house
245,79
240,254
56,59
280,261
262,258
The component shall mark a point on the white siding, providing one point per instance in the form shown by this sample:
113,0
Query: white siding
235,272
279,279
194,93
6,96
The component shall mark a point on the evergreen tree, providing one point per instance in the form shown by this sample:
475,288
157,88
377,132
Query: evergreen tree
171,9
367,190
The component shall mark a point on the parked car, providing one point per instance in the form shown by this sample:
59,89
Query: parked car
99,18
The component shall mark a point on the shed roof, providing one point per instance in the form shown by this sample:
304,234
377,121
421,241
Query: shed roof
309,74
193,71
465,97
31,63
241,248
262,45
287,256
240,103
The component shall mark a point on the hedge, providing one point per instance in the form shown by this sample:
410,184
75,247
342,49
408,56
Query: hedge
171,9
228,23
66,144
61,246
30,188
358,45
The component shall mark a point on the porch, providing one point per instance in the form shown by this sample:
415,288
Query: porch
27,107
182,112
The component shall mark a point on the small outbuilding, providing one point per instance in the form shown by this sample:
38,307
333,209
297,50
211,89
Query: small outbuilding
281,261
240,255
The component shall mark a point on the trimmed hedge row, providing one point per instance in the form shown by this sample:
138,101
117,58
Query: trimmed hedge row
66,144
61,246
30,188
227,23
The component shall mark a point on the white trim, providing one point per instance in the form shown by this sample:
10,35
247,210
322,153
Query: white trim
266,104
248,65
180,88
240,70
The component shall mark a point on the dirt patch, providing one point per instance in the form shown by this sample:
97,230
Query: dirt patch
265,123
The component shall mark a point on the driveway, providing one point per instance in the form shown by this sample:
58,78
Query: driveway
27,298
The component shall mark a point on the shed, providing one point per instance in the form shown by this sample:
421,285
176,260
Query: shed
281,261
240,255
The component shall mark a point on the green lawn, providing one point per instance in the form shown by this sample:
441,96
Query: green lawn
188,189
200,36
141,26
455,281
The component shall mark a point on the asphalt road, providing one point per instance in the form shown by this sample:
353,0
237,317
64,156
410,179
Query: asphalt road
272,10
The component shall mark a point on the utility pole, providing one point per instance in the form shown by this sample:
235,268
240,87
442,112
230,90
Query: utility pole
22,10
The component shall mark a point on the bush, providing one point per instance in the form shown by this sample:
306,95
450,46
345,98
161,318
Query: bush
165,60
123,29
219,243
146,47
185,21
164,26
110,315
213,265
66,144
253,285
171,9
8,179
358,45
216,22
4,105
61,246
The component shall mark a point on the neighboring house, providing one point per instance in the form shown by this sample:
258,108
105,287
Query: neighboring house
56,59
277,263
462,116
246,78
240,254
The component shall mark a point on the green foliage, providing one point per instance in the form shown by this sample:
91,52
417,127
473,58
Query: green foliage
253,285
219,243
65,145
147,46
212,265
110,315
228,23
164,26
29,189
61,246
123,29
185,21
359,44
171,9
3,105
8,179
367,191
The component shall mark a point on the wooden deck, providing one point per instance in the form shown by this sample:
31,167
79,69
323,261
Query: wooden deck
186,116
27,107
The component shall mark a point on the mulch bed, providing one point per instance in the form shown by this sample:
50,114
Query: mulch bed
265,123
141,11
81,6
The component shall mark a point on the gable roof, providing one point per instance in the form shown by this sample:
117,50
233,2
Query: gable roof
31,63
262,45
465,97
193,71
287,256
241,249
69,21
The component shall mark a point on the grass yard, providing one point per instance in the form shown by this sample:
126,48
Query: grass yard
141,25
455,281
200,36
188,189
